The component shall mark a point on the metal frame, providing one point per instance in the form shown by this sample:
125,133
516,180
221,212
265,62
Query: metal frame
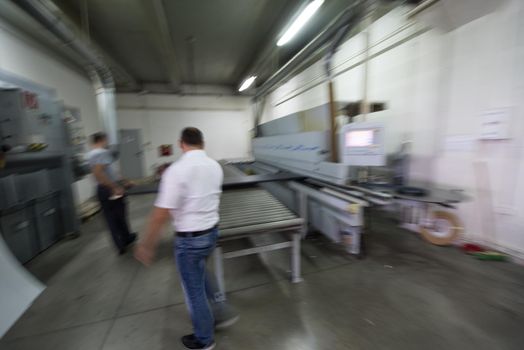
219,256
346,209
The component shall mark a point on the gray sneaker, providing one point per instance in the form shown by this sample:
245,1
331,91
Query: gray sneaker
225,323
225,316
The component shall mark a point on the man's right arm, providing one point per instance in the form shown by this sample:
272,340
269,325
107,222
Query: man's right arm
168,198
102,178
145,249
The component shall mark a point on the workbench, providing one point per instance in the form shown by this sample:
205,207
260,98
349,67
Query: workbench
417,212
434,195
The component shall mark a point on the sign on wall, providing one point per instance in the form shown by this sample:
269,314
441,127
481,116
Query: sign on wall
495,124
165,150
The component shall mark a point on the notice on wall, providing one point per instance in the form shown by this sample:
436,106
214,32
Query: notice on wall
73,120
165,150
30,100
459,143
495,124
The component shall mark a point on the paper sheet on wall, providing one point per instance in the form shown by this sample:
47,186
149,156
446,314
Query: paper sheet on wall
459,143
495,124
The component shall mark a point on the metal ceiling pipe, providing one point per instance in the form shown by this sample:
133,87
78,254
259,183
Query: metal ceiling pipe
421,7
348,17
339,37
48,16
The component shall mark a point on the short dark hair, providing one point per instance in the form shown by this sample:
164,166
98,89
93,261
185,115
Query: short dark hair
98,137
192,137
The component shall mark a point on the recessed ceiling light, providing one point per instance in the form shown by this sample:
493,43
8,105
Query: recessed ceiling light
300,21
247,83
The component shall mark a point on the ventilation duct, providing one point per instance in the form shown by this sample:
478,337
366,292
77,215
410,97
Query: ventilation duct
448,15
49,16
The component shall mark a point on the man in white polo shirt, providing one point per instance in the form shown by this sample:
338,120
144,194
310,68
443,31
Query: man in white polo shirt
190,193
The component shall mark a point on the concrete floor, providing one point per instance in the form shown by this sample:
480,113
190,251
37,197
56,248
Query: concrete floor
406,294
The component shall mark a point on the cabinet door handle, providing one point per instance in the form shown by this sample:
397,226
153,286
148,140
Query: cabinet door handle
21,225
50,212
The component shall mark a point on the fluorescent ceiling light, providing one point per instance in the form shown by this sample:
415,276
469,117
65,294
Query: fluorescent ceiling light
247,83
301,20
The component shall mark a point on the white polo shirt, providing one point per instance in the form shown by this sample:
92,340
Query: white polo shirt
191,188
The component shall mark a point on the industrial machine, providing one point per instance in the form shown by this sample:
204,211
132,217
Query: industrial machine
292,187
335,195
301,144
36,199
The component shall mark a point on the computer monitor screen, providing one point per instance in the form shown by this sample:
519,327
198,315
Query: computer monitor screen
360,138
362,144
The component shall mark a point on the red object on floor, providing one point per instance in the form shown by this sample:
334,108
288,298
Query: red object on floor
471,248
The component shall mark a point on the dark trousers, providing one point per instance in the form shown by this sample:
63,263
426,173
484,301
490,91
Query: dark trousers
115,213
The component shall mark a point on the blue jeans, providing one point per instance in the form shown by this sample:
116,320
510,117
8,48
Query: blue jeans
191,254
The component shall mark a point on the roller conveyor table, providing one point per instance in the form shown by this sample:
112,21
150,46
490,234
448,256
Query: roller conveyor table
254,211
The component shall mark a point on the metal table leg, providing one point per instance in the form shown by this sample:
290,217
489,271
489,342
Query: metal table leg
303,212
295,258
219,270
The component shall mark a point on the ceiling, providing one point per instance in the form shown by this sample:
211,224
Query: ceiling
167,45
163,44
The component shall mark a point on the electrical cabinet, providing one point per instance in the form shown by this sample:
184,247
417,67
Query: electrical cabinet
36,199
11,111
19,232
48,224
33,185
8,195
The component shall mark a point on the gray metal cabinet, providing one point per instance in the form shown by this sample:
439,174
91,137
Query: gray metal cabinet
20,233
31,218
10,121
32,185
49,227
8,195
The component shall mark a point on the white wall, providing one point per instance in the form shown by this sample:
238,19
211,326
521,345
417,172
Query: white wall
20,56
224,120
436,85
487,68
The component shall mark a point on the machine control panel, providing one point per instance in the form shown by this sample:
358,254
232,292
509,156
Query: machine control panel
362,144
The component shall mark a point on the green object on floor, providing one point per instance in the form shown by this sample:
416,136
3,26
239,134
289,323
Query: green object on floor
491,256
